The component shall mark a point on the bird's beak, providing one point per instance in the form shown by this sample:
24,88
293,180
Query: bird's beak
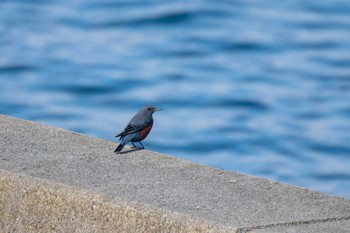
157,109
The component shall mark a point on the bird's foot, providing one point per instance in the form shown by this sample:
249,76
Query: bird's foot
137,147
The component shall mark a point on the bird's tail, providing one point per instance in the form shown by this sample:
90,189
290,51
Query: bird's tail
123,141
119,148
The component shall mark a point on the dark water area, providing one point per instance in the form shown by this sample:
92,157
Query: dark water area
258,87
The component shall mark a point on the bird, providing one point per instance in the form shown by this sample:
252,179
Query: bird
138,128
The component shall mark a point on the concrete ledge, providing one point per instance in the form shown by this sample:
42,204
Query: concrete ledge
54,180
33,205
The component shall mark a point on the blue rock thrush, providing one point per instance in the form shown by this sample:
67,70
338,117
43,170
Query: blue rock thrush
138,128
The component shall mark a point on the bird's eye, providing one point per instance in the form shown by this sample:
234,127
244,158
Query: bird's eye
149,109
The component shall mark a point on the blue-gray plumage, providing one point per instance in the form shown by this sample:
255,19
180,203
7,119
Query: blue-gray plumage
138,128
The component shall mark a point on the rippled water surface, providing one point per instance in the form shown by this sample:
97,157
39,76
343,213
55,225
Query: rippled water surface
259,87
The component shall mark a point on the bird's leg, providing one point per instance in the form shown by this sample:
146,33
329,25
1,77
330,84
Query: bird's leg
133,145
141,145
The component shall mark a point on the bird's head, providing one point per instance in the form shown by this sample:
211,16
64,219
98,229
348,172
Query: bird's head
150,109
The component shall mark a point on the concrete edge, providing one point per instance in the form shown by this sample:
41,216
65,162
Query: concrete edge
34,205
290,224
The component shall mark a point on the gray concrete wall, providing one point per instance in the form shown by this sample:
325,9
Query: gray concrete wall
54,180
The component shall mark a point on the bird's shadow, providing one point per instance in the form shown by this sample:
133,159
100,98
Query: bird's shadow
129,151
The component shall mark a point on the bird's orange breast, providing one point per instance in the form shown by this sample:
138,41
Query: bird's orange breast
145,132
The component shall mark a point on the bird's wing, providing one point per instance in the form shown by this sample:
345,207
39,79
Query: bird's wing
133,128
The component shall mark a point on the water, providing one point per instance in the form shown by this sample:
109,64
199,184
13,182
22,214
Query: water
258,87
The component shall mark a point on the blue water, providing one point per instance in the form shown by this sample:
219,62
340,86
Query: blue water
258,87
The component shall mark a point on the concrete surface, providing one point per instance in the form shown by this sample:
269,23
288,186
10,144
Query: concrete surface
145,191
